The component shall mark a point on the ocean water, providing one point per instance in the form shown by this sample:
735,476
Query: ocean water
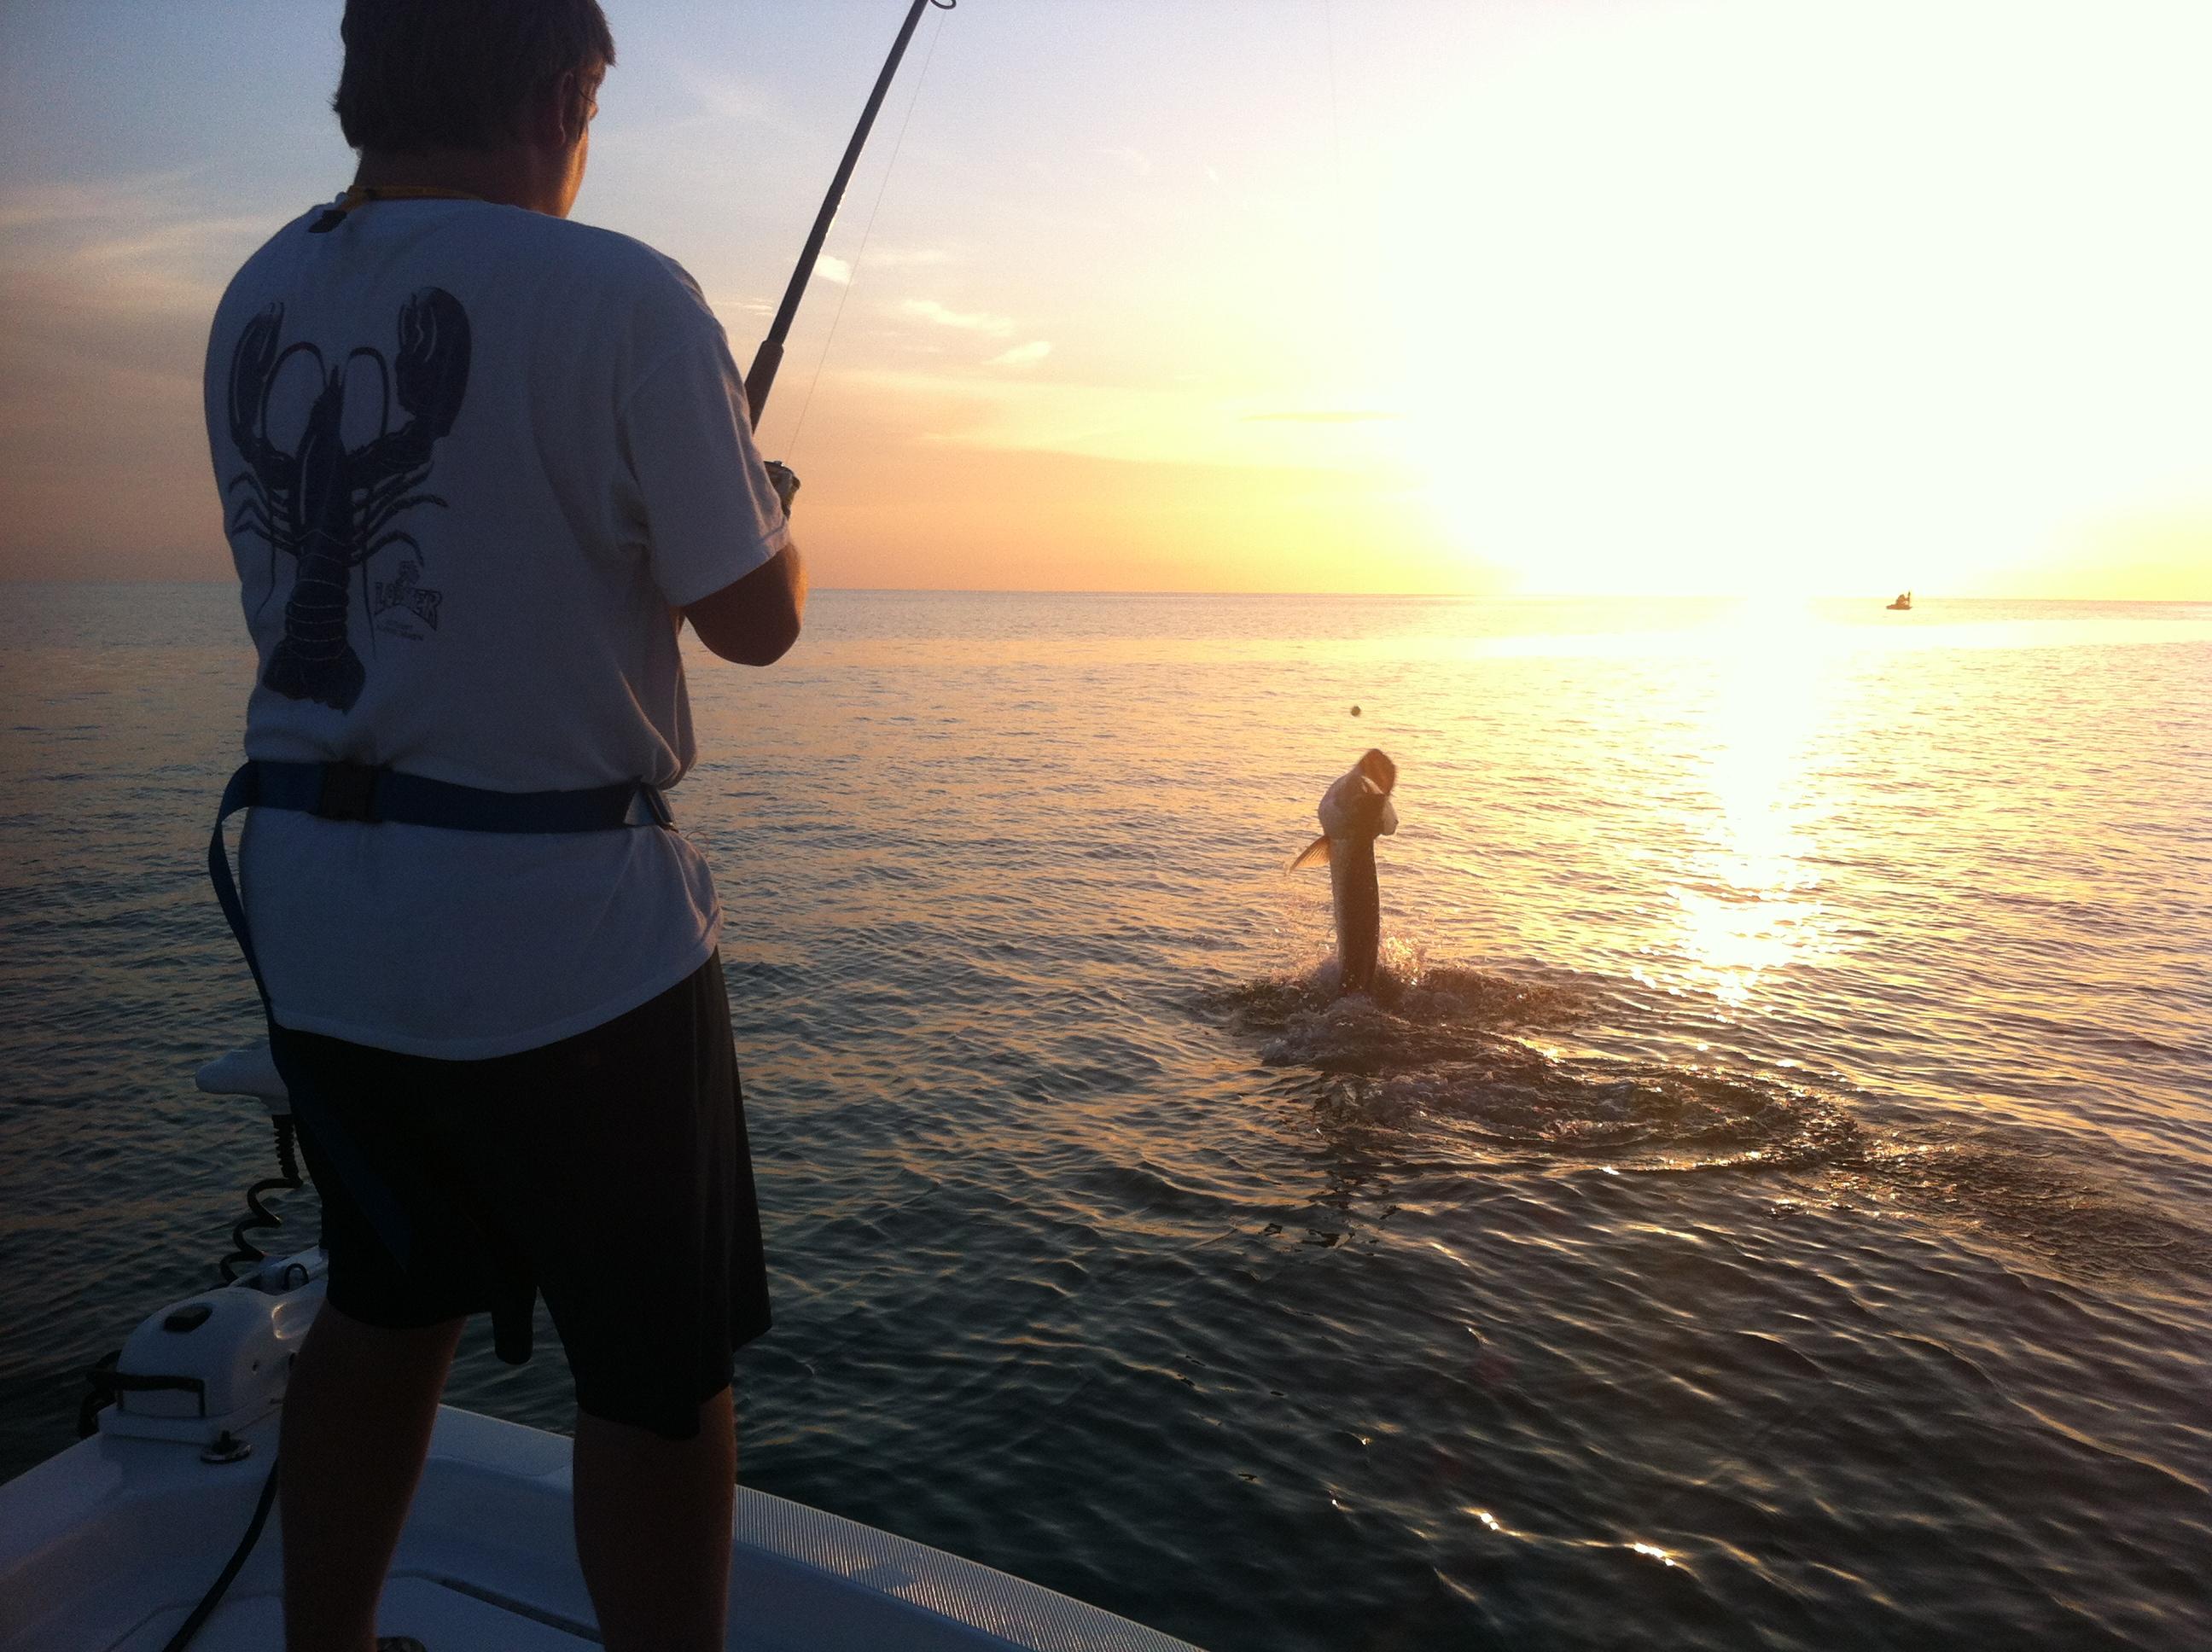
1770,1205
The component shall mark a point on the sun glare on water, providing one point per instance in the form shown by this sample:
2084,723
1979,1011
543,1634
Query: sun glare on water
1749,902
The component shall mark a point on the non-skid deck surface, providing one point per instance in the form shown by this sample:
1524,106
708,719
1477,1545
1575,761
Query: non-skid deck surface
443,1619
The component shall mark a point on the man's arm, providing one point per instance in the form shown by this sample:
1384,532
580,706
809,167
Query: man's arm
754,621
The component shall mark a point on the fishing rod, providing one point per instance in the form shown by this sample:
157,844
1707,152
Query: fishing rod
761,374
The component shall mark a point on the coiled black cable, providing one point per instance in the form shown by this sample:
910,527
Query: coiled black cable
259,1217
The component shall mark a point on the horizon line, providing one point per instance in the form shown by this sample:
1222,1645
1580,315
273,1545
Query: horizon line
1355,596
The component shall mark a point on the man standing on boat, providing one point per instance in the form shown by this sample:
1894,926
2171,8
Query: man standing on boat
480,465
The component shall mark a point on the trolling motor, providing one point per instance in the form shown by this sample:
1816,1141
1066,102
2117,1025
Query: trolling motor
202,1370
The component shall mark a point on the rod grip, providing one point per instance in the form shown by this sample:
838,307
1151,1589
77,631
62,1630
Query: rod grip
761,375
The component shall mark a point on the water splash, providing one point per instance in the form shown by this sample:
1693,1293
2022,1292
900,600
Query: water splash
1527,1107
1448,1049
1458,1057
2025,1197
1413,1013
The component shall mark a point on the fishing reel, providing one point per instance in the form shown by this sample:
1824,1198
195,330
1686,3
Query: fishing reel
785,481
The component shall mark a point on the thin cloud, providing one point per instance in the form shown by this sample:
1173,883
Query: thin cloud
725,99
841,270
125,243
1021,356
928,309
747,311
1324,415
146,195
908,257
1135,159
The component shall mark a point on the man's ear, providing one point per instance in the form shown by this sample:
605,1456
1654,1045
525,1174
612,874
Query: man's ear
572,103
554,119
579,93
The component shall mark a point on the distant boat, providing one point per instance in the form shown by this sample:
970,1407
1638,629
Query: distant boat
1903,601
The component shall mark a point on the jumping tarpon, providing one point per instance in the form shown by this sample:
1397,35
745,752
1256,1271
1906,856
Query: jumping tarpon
1354,813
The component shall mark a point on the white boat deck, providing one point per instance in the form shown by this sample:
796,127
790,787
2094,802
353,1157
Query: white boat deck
111,1545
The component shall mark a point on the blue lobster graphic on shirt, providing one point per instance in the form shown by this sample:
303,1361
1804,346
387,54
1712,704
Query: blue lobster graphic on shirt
328,507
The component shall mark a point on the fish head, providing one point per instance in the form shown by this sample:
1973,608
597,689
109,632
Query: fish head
1357,805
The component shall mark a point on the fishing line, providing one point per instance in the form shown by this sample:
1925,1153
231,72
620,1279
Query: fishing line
853,277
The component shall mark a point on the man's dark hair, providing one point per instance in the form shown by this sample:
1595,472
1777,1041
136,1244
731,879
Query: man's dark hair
459,74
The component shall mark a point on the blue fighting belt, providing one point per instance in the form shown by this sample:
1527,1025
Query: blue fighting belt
344,790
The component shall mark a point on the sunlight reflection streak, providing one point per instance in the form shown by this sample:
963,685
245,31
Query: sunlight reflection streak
1747,903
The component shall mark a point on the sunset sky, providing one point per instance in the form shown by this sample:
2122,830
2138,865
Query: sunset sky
1760,296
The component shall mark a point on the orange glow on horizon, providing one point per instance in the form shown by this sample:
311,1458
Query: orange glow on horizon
1470,300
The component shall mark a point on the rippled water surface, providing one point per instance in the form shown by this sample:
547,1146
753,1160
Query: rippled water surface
1770,1203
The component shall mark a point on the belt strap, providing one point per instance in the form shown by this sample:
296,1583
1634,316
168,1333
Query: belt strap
356,792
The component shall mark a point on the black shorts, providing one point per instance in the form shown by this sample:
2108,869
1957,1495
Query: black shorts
609,1171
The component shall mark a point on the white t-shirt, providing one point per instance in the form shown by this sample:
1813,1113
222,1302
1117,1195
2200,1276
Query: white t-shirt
471,457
